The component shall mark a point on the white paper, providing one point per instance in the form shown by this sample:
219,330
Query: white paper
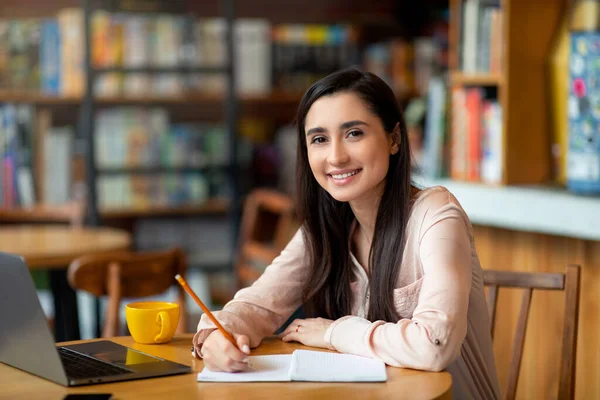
274,368
304,365
318,366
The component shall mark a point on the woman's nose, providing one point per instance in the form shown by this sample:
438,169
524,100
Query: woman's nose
338,154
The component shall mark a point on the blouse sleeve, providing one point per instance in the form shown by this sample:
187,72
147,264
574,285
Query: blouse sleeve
259,310
432,339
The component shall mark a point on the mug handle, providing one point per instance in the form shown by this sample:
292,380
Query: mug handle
162,318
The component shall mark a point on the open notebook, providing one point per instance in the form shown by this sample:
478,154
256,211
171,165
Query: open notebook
304,365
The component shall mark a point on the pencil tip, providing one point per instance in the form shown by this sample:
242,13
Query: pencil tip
177,276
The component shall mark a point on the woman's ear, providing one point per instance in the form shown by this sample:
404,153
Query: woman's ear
395,139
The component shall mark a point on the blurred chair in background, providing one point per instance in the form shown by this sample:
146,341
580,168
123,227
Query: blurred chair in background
129,275
569,282
268,224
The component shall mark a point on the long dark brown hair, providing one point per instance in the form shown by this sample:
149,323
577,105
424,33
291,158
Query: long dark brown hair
326,222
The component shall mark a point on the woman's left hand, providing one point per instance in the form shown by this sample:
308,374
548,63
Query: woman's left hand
309,332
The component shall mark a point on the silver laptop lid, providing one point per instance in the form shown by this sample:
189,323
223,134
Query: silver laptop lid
25,338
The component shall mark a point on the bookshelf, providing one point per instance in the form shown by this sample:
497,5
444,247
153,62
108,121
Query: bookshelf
278,106
93,72
83,108
521,85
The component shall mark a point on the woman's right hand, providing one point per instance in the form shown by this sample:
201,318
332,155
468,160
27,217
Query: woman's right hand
220,355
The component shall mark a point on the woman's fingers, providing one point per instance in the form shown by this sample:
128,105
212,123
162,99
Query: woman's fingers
293,327
243,343
310,331
221,355
293,336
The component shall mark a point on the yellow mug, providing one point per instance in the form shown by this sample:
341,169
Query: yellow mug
152,322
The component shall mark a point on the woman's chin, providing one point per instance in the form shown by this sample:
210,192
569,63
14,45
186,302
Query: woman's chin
343,196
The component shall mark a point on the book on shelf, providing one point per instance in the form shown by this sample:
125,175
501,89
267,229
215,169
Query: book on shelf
16,138
475,136
50,69
57,153
434,144
72,79
481,39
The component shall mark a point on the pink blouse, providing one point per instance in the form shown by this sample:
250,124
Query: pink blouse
440,295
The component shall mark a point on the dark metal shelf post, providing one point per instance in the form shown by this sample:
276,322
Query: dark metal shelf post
87,120
230,113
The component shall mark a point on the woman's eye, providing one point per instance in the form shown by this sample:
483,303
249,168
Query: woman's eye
354,133
318,139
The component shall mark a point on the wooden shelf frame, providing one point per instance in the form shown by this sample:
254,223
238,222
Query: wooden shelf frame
64,213
35,97
210,207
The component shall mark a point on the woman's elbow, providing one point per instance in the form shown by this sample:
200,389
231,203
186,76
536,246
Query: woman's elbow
439,358
436,365
432,360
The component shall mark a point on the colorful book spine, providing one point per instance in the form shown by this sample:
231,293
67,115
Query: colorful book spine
50,61
473,151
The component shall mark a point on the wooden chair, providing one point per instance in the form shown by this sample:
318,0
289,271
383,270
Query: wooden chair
570,283
266,228
126,275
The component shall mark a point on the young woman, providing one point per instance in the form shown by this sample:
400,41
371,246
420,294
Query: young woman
391,271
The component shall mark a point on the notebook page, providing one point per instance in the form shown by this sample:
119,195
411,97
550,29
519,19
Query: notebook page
275,368
320,366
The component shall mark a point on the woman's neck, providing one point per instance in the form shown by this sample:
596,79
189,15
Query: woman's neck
365,212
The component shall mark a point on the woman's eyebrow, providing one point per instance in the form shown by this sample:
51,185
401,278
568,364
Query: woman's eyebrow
351,124
343,126
314,130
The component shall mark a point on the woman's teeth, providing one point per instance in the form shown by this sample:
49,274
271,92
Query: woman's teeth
346,175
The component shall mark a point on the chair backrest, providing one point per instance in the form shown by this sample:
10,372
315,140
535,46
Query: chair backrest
568,282
128,274
266,228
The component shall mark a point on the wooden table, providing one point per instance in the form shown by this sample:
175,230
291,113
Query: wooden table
402,383
54,247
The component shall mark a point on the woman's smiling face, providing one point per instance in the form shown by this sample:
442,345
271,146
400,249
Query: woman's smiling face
348,148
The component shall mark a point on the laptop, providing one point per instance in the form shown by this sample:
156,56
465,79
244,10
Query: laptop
27,343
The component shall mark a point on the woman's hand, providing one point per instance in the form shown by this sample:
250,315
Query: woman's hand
221,355
310,332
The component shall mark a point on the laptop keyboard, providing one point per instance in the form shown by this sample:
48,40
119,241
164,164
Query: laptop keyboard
78,366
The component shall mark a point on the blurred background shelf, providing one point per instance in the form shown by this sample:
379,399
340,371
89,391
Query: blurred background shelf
152,170
35,97
40,213
210,207
478,79
63,213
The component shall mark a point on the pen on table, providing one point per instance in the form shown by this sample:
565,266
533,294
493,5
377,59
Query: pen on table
188,289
